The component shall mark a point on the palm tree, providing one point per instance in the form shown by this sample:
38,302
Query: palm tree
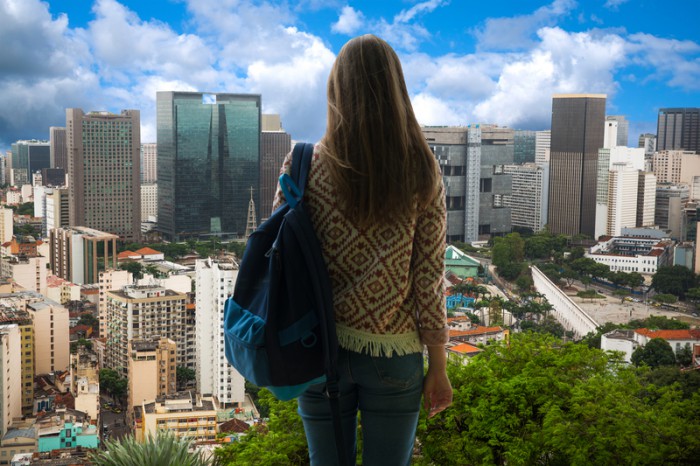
162,449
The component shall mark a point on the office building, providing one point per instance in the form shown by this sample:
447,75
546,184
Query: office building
677,166
58,148
275,144
104,171
208,161
149,155
622,199
21,318
53,177
140,313
635,250
30,156
215,376
458,152
646,199
543,140
151,370
577,134
524,146
678,129
56,210
648,142
670,201
79,254
528,200
623,126
495,184
11,380
149,202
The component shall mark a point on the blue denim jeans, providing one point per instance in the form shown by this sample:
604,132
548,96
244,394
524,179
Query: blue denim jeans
386,391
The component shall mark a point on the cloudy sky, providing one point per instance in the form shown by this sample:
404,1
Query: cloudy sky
465,61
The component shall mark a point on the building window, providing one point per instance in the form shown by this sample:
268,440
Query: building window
485,185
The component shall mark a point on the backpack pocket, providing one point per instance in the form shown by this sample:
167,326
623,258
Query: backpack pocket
245,343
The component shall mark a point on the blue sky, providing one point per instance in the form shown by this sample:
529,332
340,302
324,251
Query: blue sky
465,61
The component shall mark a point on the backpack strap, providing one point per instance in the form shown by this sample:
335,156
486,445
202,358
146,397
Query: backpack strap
301,164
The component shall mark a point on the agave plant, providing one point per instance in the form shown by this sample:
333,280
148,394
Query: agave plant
163,449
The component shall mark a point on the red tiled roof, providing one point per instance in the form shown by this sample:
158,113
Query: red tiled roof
465,348
693,334
147,251
655,252
127,254
234,425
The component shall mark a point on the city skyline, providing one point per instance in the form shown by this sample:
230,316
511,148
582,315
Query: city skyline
474,63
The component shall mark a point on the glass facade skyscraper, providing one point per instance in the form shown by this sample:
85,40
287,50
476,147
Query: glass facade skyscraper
208,159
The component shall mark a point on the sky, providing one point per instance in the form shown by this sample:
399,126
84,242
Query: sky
465,61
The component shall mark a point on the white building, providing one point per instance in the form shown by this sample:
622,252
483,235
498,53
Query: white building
620,340
618,159
543,141
528,200
678,339
632,253
11,379
14,197
149,155
622,199
149,202
56,208
215,376
110,280
6,224
28,272
646,199
679,167
142,312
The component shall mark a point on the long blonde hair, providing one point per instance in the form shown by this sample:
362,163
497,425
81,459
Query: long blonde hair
379,161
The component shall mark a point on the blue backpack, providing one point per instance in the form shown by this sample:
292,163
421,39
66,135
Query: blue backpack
279,326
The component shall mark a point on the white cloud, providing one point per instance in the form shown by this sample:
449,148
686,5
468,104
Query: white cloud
349,21
668,58
614,4
419,8
432,111
517,33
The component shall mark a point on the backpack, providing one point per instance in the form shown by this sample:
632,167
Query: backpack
279,326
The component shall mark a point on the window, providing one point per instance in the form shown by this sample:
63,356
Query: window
485,185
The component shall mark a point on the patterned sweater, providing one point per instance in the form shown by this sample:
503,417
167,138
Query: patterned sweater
387,280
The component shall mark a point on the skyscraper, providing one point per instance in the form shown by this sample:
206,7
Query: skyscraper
495,184
30,156
58,148
208,159
275,143
149,173
458,152
524,144
623,127
103,171
577,134
678,128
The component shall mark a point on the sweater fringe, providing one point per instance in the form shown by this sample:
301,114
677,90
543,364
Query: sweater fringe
378,345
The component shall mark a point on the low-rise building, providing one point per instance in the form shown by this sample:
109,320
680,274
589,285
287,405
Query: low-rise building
620,340
184,414
480,334
631,253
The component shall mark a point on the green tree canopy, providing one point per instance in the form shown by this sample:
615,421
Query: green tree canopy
657,352
113,383
538,401
675,280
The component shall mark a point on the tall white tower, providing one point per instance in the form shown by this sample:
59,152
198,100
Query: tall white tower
215,376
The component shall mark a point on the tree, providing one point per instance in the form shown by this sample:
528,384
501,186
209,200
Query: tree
657,352
536,400
507,255
81,342
675,280
113,383
184,375
281,442
135,268
622,294
658,322
693,294
684,356
569,275
88,319
163,448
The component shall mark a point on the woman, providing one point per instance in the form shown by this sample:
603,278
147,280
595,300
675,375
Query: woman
375,197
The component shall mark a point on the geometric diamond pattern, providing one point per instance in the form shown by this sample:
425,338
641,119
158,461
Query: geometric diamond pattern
386,280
